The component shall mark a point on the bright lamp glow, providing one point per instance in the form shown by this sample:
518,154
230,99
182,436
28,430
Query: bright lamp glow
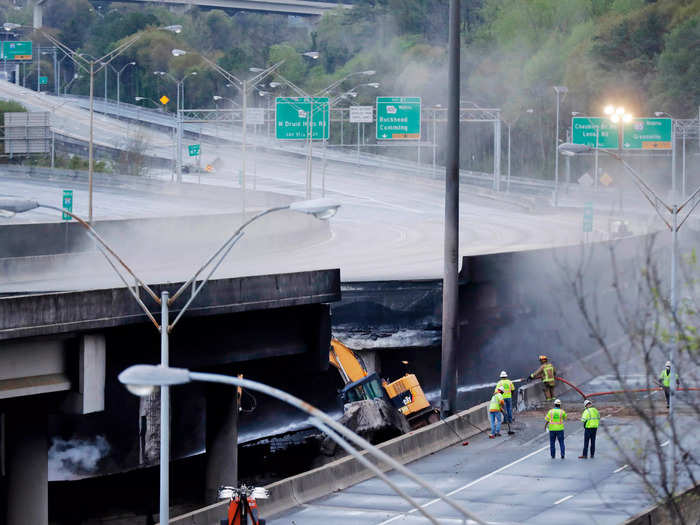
609,110
320,208
626,117
615,118
141,390
620,111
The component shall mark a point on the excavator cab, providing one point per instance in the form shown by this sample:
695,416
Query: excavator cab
405,393
369,387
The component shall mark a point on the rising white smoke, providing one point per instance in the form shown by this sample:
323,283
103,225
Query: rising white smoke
75,458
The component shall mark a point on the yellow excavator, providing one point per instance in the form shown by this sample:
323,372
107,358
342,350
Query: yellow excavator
405,394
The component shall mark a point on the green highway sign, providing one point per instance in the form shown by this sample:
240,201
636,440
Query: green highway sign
17,50
67,204
43,81
292,118
398,118
193,150
647,133
583,131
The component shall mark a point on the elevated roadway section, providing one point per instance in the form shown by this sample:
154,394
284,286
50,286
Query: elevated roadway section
289,7
61,353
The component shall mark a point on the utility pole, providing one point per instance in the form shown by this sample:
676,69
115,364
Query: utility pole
450,285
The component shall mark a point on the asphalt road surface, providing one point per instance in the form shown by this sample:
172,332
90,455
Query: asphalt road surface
510,479
390,225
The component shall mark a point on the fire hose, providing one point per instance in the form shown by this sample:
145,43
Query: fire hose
612,392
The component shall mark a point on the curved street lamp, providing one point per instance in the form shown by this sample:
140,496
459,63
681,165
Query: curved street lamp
244,86
87,63
141,380
320,208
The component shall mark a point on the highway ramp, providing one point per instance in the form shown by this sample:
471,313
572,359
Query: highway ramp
507,480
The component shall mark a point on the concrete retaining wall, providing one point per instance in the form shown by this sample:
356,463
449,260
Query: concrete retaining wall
689,503
345,472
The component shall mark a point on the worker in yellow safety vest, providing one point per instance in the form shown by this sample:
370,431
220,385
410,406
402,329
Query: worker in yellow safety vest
547,372
590,418
665,381
495,411
508,389
555,420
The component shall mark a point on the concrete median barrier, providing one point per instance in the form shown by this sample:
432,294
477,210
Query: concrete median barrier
293,491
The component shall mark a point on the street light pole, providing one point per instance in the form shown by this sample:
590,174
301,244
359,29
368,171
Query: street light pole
119,73
557,89
140,380
321,209
674,225
450,284
90,141
88,64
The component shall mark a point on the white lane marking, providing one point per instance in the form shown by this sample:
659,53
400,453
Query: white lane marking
563,499
478,480
665,443
623,467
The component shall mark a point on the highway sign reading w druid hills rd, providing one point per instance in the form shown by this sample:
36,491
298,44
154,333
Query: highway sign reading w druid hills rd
292,118
640,133
583,131
398,118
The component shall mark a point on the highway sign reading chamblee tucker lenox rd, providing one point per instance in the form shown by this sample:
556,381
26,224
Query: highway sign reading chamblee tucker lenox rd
398,118
640,133
583,131
291,118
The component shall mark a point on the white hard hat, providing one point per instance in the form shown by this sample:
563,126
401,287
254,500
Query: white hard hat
504,373
587,402
557,402
668,364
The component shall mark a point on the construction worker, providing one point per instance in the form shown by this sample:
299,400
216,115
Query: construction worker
508,388
665,381
555,420
495,411
547,372
590,418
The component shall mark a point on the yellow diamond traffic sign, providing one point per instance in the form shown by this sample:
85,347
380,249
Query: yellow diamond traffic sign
164,100
606,179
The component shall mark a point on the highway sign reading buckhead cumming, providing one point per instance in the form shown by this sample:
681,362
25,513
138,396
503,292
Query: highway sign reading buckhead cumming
398,118
584,132
647,133
292,118
17,50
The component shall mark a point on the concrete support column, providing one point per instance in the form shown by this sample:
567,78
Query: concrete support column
371,359
38,14
27,456
221,439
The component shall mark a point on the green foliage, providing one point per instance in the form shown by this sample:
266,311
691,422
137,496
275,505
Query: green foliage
9,106
678,82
